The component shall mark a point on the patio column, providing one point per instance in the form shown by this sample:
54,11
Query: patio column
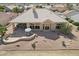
28,25
41,26
14,26
53,26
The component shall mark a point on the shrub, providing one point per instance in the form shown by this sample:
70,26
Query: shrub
2,8
76,23
3,29
71,21
67,19
17,10
39,6
66,28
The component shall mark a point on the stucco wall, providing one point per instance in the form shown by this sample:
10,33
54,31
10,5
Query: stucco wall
51,24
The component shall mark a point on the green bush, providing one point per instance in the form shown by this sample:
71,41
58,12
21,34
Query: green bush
3,29
67,19
17,10
71,21
66,29
2,8
76,23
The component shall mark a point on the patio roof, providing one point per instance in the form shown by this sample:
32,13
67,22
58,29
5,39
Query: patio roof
37,15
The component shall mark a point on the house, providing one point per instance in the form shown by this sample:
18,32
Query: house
70,13
59,7
73,15
38,19
75,6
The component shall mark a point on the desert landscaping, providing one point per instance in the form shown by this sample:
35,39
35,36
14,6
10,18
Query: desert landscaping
39,27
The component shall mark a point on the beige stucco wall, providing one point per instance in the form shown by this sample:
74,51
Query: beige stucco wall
60,9
49,22
10,29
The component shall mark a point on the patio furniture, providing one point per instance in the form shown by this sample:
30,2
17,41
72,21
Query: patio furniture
28,31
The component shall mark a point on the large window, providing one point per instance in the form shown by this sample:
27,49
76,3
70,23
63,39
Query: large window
31,26
58,26
22,25
46,26
35,26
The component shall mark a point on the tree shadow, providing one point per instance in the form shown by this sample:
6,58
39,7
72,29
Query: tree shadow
69,36
18,33
47,34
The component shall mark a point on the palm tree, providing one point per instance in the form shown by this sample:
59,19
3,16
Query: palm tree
3,30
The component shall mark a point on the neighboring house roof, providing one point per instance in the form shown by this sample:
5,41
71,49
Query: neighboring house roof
75,17
59,5
71,13
28,6
38,15
6,17
60,14
11,6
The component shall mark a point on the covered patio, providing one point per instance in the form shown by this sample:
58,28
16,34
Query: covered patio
47,34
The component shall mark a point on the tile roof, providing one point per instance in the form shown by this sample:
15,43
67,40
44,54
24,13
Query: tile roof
38,15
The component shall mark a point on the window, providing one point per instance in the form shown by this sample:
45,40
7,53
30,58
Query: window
58,26
46,27
31,26
37,27
34,26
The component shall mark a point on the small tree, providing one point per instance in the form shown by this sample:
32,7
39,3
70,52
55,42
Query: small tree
3,29
66,28
69,6
76,23
2,8
69,20
17,10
